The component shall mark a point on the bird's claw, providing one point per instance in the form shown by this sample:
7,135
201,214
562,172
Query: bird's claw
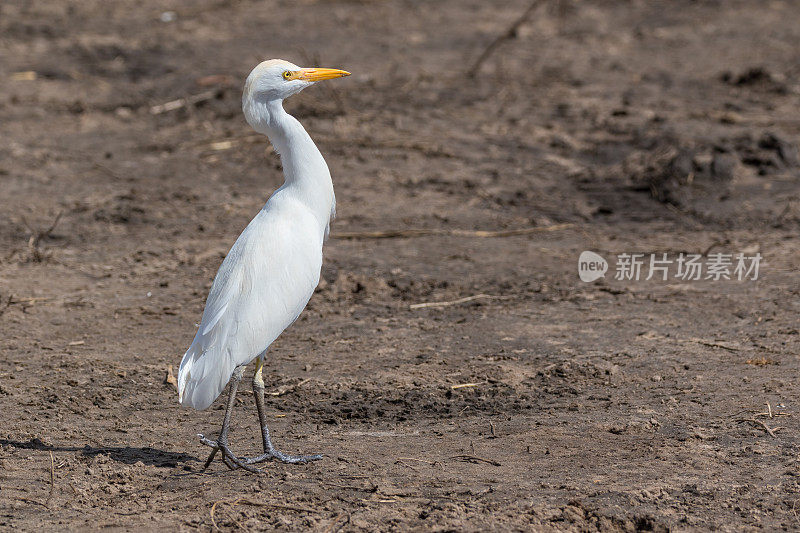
233,462
230,460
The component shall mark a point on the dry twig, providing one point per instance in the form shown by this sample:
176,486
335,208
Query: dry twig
28,500
762,424
770,413
170,378
507,35
26,303
4,307
422,232
107,170
431,463
335,525
417,460
37,236
475,459
406,465
715,345
289,388
425,148
245,501
52,479
183,102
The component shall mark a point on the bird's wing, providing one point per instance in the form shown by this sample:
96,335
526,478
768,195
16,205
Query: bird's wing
261,287
330,219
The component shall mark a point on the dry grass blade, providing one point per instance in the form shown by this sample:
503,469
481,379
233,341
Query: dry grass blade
464,300
463,385
24,75
183,102
289,388
213,520
760,361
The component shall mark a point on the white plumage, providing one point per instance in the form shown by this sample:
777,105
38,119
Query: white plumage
273,267
262,286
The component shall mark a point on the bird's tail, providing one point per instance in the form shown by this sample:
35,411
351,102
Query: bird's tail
202,376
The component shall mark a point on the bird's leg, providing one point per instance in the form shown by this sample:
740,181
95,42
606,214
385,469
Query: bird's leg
221,444
269,450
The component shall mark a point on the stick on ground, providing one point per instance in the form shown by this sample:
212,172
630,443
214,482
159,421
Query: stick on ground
183,102
509,34
762,424
289,388
475,459
388,234
38,235
455,302
52,479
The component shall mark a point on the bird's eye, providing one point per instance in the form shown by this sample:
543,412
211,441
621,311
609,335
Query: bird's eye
287,74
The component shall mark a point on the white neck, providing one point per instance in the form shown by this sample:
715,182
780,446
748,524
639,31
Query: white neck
305,172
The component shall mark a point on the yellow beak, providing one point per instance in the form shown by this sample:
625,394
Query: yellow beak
319,74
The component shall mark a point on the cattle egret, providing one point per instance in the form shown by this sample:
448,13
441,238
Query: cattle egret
273,267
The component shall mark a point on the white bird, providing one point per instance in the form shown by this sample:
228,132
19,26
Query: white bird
271,271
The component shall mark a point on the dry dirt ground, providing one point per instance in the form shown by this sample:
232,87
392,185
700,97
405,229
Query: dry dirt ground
552,404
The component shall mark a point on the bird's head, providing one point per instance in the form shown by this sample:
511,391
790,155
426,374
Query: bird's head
276,79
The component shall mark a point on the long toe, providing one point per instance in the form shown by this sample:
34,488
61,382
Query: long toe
231,461
207,441
258,459
214,450
295,459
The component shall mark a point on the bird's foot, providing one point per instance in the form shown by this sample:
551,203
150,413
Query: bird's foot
230,460
280,456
